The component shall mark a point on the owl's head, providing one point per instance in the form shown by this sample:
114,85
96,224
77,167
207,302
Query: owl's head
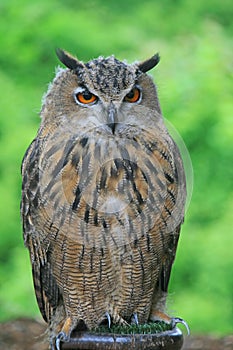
103,91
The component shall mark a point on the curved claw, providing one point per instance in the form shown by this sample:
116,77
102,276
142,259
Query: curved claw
62,336
109,319
135,318
52,345
176,320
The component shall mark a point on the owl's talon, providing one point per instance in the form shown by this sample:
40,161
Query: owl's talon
135,318
109,319
52,347
176,320
62,336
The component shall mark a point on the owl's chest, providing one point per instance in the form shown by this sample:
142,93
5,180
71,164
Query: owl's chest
103,188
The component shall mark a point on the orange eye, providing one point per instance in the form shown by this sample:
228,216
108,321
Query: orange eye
85,97
133,96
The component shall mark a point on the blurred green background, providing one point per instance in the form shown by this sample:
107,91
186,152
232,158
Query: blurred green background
194,78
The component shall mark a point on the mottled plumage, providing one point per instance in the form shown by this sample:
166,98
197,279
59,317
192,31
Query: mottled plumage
103,197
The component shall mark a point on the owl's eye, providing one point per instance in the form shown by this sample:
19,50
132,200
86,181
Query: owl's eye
84,97
133,96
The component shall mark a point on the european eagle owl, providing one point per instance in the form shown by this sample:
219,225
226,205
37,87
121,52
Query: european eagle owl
103,198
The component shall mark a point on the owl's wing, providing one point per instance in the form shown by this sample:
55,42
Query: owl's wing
173,211
170,249
46,289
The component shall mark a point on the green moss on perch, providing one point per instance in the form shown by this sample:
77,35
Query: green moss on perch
147,328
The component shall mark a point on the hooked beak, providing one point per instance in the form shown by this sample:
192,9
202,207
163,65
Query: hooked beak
112,117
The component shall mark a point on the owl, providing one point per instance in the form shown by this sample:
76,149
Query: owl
103,198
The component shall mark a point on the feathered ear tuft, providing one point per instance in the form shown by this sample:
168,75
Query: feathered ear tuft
68,60
145,66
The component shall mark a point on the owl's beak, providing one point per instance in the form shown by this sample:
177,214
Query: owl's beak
112,117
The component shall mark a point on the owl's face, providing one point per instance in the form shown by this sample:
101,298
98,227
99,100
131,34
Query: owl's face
104,93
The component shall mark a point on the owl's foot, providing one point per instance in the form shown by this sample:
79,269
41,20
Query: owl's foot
64,334
161,316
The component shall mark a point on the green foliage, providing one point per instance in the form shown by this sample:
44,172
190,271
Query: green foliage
195,87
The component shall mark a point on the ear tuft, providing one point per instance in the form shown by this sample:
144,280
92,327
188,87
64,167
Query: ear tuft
147,65
68,60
